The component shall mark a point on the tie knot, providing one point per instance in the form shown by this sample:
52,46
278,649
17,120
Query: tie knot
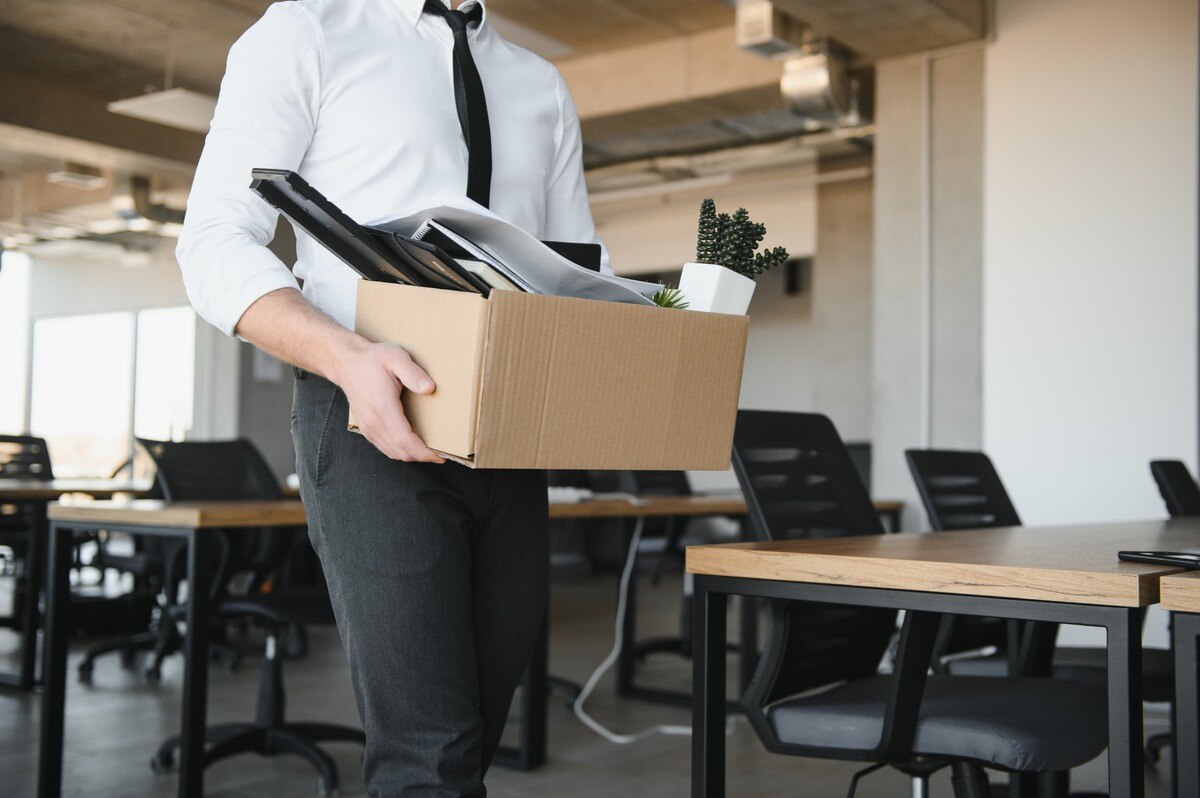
457,20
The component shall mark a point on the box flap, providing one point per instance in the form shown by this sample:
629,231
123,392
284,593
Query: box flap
573,383
444,332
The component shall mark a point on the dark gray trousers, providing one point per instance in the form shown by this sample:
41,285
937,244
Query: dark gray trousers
438,575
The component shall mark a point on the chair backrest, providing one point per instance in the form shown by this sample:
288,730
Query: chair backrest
800,482
860,453
960,489
1177,486
661,483
24,457
224,470
200,470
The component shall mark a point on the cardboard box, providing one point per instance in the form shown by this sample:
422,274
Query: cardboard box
534,381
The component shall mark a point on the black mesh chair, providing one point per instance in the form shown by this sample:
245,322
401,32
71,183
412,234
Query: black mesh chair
231,470
963,490
816,691
21,457
1177,486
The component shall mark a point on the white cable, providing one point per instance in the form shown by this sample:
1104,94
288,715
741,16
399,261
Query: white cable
603,667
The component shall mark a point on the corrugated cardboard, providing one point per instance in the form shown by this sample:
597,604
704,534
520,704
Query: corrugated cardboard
533,381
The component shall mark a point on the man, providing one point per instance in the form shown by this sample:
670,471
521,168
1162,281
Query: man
437,572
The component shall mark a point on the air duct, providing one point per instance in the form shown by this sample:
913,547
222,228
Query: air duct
131,198
817,85
764,30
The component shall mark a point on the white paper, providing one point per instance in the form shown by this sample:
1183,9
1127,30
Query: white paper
538,265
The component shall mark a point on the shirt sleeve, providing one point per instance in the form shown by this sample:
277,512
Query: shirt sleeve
568,215
265,116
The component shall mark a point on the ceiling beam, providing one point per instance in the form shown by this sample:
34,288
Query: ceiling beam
884,28
56,121
671,82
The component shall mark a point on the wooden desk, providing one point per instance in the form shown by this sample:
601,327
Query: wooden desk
191,521
1064,574
1181,596
37,494
197,524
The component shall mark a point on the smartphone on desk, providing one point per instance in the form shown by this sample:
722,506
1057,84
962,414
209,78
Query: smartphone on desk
1174,559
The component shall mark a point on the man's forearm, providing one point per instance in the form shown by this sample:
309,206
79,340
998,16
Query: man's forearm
286,325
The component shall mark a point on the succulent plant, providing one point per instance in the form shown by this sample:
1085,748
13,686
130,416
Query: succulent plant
732,241
669,297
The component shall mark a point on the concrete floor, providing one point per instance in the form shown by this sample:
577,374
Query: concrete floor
114,726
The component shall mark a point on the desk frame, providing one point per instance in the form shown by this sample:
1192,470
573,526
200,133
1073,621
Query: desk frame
1185,639
195,669
25,678
1123,626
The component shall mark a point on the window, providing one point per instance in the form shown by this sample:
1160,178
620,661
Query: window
101,379
14,343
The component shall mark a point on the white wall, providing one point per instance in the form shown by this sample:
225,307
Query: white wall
1090,291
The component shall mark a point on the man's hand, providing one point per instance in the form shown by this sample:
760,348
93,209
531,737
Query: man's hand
286,325
372,377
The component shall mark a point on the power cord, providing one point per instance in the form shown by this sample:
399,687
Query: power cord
610,660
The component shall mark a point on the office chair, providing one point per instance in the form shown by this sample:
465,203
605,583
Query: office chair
816,691
1177,486
236,470
21,457
963,490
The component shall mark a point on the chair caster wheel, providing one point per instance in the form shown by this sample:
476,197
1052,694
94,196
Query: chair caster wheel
127,659
153,675
85,672
162,763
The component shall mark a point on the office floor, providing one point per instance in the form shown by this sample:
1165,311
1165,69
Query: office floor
114,726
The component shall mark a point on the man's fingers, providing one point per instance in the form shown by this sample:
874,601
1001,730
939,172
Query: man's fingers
396,439
409,373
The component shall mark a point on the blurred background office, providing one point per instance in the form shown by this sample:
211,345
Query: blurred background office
991,208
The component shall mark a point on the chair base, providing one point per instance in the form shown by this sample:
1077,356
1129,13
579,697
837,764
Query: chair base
229,739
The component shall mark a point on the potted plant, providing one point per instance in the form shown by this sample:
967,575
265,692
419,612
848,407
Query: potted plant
721,280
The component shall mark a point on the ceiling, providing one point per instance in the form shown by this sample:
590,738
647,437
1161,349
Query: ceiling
650,77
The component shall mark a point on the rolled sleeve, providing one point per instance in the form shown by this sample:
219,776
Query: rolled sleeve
265,117
568,214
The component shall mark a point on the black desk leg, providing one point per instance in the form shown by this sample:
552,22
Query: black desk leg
54,664
708,690
35,578
627,660
1185,631
531,710
748,644
195,667
1125,764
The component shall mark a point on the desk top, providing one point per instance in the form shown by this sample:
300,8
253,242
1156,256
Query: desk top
183,515
727,504
1181,592
1076,564
15,490
290,512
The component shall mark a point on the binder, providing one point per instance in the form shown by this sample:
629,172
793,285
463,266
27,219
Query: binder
377,254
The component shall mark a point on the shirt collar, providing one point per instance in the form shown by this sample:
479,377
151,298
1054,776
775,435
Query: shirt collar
412,9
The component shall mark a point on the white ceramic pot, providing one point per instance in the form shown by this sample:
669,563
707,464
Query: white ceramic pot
713,288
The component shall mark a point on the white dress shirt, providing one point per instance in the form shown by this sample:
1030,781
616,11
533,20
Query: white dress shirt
357,96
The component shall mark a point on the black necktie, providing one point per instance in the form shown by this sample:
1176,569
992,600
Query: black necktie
471,102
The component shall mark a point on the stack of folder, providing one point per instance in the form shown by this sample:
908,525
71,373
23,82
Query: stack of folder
445,248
